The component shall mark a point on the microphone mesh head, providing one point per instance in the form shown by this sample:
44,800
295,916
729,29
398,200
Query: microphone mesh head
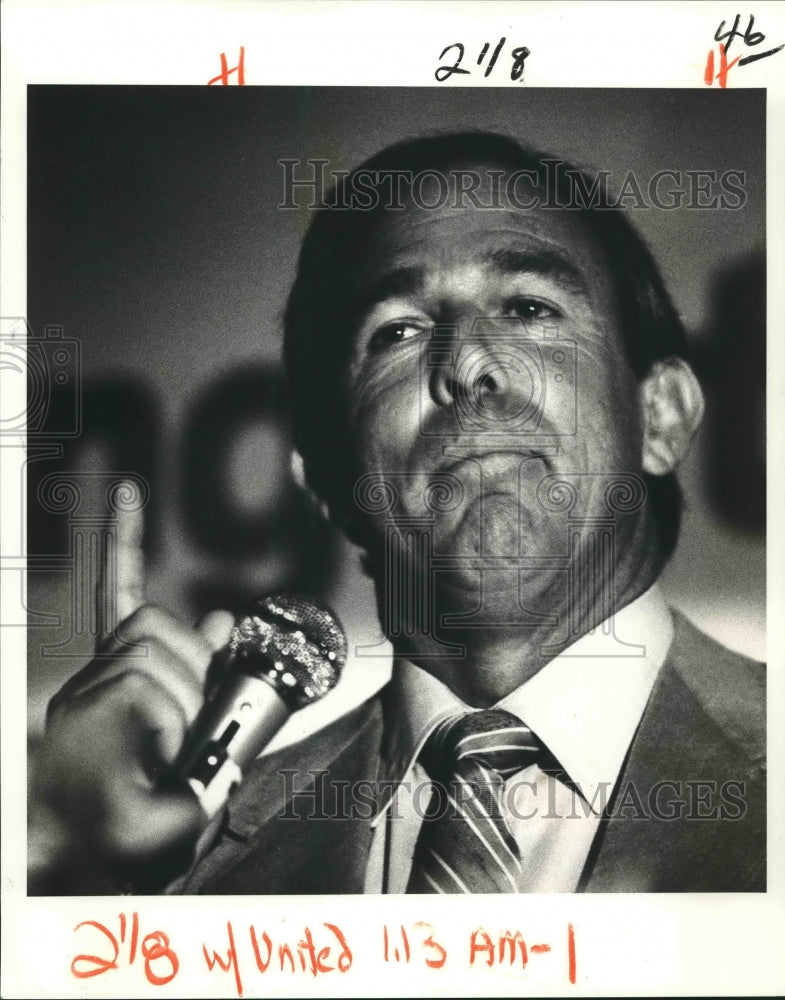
296,645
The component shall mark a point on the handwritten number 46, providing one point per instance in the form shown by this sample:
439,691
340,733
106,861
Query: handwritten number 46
749,37
445,71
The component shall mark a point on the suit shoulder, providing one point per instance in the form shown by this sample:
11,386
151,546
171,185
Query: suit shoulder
730,687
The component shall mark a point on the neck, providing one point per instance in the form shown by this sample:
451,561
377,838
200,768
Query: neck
485,653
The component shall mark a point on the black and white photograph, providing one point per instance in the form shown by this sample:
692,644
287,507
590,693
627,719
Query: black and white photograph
429,386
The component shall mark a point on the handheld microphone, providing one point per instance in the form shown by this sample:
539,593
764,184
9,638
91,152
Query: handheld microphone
286,654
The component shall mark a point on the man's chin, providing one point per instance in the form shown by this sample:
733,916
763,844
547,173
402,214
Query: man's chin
483,532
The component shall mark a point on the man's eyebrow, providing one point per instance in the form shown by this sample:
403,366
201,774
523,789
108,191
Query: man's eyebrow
400,281
411,280
546,263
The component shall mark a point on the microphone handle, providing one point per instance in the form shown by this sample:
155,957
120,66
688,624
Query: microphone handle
234,726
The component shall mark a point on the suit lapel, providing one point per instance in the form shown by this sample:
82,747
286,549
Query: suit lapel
296,825
676,823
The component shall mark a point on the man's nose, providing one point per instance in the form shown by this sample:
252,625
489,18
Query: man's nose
488,372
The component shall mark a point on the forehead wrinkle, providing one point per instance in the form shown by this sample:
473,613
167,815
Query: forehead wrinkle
402,280
546,263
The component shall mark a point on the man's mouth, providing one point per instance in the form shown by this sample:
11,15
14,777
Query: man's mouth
494,464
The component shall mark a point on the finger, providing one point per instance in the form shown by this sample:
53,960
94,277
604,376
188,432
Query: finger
149,629
181,639
130,563
120,588
140,679
216,629
184,641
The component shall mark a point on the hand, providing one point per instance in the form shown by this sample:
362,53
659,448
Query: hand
116,727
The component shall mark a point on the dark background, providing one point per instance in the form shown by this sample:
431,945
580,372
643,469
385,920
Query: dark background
156,241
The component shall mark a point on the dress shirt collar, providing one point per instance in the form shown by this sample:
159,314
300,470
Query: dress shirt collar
584,705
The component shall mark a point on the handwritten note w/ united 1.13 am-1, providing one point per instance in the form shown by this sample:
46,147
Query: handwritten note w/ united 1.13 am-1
256,957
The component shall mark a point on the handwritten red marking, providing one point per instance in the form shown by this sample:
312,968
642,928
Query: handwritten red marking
134,934
510,940
261,964
481,944
722,76
306,955
345,958
239,69
396,953
284,951
725,67
708,74
134,937
155,947
405,938
313,959
434,962
99,964
571,952
231,959
476,947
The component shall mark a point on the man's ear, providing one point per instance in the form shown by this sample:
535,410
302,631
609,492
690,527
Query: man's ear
297,469
671,411
344,523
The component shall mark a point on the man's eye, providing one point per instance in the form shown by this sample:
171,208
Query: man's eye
534,309
393,333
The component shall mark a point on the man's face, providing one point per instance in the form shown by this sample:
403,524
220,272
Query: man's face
539,387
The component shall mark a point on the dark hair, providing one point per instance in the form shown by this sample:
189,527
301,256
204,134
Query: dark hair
319,323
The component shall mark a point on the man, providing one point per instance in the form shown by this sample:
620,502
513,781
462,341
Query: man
490,395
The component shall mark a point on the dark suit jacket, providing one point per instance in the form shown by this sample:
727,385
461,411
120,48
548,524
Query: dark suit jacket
701,743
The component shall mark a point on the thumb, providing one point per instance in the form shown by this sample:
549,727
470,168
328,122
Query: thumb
215,628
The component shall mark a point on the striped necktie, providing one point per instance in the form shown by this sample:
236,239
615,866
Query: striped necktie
465,844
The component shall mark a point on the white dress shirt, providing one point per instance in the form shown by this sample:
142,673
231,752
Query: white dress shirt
584,705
